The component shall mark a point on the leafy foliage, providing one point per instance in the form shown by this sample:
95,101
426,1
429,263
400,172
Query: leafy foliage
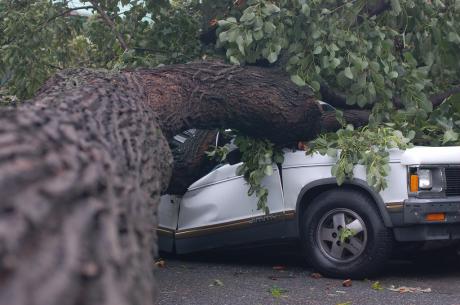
391,61
367,147
55,36
258,157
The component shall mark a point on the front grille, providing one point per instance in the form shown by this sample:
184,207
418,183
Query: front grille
452,181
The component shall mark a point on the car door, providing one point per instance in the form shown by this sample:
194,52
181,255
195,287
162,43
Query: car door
168,212
216,211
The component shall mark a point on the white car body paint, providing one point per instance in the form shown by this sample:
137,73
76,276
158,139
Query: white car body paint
431,155
221,196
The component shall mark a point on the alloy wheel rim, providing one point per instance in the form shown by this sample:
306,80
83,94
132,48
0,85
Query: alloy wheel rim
341,235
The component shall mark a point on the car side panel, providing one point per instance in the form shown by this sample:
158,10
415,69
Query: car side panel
168,213
300,171
219,203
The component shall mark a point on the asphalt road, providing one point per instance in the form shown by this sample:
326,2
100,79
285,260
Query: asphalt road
248,277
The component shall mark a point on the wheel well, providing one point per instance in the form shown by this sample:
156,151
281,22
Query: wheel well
309,196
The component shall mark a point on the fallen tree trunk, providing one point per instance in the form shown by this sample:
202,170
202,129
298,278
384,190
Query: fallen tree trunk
81,169
83,164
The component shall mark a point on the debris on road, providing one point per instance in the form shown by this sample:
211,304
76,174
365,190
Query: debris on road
404,289
376,286
316,275
277,277
347,283
216,282
160,263
277,292
279,267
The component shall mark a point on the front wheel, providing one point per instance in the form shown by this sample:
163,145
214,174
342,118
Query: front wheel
343,235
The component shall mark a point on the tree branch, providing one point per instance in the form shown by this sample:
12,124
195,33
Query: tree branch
111,24
40,25
438,98
379,8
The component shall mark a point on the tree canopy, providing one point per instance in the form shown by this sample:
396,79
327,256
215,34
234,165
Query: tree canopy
395,60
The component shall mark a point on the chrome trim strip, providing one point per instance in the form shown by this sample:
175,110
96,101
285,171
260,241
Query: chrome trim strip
236,224
394,206
165,231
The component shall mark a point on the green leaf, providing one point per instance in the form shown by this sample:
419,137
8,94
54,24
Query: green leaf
453,37
247,17
347,72
234,60
270,9
393,74
268,171
376,286
450,136
317,50
306,9
396,6
269,27
272,57
297,80
331,152
240,43
258,35
315,85
335,62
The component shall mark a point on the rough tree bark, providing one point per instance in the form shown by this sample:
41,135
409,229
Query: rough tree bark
82,166
80,173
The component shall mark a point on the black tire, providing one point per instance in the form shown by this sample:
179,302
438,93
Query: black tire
376,246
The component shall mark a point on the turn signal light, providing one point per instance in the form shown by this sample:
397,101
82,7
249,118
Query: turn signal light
435,217
413,183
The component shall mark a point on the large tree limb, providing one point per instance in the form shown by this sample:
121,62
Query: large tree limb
254,100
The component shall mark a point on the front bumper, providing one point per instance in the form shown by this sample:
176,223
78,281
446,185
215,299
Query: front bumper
410,224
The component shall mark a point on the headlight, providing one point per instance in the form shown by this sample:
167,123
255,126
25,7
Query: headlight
425,179
421,179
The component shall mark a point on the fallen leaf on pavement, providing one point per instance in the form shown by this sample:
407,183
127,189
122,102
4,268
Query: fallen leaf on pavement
160,263
279,267
216,283
404,289
316,275
376,286
277,291
347,283
346,303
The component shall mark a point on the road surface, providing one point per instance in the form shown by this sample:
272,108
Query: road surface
251,277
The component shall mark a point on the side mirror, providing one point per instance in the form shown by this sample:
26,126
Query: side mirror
234,157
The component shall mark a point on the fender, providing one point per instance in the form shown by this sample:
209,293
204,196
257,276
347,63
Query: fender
358,183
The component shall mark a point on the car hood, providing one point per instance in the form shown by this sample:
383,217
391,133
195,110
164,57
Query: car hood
431,155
